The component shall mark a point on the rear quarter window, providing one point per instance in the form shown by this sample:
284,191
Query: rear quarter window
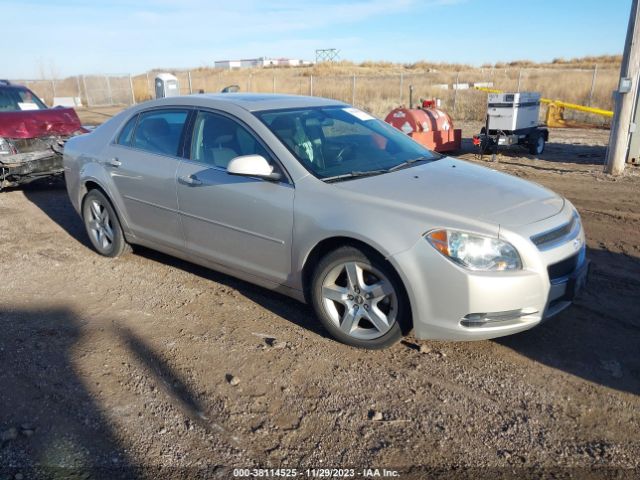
126,134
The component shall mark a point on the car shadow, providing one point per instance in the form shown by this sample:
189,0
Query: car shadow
53,201
51,197
598,337
277,303
50,424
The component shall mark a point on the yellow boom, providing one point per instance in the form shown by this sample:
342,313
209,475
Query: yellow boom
558,103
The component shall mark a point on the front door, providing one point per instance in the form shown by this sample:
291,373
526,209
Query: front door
240,222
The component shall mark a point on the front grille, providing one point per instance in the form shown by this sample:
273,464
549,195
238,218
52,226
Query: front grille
546,238
563,268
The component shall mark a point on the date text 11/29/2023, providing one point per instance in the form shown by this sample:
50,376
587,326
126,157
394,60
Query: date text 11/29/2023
315,473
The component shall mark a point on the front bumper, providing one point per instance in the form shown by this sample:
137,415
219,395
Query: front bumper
564,290
452,303
18,169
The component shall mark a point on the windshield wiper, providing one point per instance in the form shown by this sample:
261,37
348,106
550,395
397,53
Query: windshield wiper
369,173
406,163
354,174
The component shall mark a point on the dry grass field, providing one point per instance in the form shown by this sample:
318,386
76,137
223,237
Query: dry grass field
374,86
380,86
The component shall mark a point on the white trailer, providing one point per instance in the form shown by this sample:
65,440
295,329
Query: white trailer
512,119
166,85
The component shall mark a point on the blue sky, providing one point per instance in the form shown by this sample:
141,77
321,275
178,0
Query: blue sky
68,37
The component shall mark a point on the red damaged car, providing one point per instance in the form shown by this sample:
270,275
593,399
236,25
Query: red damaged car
31,135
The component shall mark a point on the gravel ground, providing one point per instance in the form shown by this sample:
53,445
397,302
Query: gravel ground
150,367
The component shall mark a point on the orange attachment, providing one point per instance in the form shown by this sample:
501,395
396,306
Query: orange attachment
439,239
429,126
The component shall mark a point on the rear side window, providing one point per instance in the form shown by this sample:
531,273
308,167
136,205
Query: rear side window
127,132
160,131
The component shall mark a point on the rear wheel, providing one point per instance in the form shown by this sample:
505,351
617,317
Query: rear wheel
103,226
536,144
359,299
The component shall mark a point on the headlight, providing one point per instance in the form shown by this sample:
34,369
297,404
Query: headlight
475,252
6,147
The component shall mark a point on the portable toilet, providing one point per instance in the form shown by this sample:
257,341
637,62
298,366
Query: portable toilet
167,85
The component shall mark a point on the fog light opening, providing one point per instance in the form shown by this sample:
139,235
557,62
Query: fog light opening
477,320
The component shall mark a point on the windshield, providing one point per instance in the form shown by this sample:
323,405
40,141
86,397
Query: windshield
18,99
343,141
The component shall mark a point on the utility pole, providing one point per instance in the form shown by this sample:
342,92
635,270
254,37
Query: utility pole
624,102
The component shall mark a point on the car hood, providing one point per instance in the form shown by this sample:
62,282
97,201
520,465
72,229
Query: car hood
462,189
39,123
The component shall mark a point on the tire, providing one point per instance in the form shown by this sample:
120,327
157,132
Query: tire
359,299
536,144
103,226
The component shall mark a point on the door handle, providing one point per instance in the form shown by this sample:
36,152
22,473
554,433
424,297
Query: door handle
190,180
114,162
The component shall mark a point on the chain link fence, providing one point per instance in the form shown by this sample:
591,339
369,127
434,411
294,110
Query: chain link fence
375,93
84,90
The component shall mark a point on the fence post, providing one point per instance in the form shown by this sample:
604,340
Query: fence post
519,79
593,83
249,83
353,91
189,77
53,91
401,87
86,92
106,77
311,85
79,90
455,91
149,89
274,83
133,95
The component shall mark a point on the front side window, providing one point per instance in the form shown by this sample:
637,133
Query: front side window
160,131
343,141
218,139
17,99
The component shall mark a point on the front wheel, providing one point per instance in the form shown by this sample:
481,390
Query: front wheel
102,225
360,299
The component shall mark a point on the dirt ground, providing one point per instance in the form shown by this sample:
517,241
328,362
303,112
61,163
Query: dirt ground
97,115
151,367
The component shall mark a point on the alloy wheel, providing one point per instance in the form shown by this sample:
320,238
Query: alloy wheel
360,300
100,225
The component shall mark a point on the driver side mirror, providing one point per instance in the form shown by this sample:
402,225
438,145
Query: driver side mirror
252,166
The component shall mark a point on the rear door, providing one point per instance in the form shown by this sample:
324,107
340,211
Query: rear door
240,222
143,164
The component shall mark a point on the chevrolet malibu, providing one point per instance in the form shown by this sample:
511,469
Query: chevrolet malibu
324,203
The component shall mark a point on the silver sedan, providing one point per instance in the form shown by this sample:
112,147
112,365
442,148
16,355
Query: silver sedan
324,203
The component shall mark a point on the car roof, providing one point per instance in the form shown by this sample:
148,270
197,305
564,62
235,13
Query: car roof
252,102
12,86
